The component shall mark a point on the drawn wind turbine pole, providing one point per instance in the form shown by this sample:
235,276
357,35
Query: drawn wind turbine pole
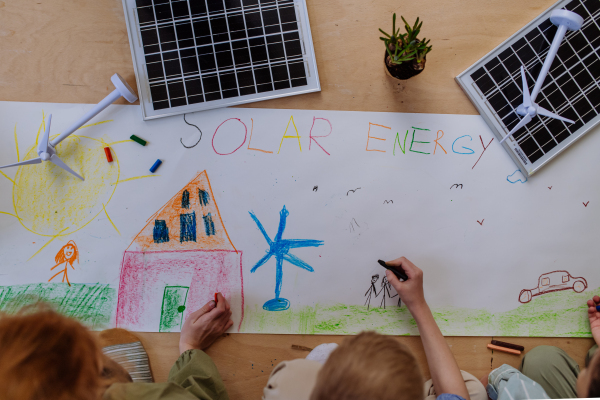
565,20
280,248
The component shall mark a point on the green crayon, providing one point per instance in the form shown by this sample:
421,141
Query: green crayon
137,139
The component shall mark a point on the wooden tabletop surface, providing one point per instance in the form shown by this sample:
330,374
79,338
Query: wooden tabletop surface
66,50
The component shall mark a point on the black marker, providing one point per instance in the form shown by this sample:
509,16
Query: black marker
400,274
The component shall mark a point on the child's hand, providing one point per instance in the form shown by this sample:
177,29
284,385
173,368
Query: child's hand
594,316
411,290
205,325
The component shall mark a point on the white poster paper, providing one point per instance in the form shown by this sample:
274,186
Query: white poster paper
286,212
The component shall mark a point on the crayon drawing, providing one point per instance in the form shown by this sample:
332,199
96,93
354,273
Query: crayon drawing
65,258
372,291
553,282
143,254
171,313
91,304
53,204
178,261
280,248
386,290
516,176
558,314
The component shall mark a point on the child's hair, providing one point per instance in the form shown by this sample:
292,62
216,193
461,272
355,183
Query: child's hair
594,370
369,366
46,356
60,256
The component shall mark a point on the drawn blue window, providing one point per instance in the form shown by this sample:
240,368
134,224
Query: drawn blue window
188,227
203,197
209,225
185,199
160,231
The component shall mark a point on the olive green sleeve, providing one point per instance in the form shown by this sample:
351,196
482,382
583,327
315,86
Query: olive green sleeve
193,377
196,372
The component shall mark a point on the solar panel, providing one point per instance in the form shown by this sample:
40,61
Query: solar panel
192,55
571,89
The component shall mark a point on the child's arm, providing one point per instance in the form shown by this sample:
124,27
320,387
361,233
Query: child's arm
204,326
445,373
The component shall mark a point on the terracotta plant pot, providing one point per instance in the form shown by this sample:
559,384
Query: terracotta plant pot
405,70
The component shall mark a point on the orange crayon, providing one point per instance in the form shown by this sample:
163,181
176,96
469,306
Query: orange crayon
504,349
108,154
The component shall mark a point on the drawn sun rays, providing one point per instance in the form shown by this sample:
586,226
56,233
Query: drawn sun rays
52,204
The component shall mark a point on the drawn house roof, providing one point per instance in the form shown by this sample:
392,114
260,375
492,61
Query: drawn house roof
189,221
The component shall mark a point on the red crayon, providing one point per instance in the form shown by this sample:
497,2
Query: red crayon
215,298
108,155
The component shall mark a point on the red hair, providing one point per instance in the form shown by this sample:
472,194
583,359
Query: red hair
47,356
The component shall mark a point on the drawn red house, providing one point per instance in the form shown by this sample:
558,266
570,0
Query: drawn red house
177,262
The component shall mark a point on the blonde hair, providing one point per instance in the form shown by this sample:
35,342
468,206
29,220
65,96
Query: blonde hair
369,366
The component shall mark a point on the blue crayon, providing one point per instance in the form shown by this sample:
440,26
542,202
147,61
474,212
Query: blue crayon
155,166
598,308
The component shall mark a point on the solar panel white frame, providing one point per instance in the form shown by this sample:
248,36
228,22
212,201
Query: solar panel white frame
143,84
489,115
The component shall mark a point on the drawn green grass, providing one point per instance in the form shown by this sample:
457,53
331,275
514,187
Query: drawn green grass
91,304
553,314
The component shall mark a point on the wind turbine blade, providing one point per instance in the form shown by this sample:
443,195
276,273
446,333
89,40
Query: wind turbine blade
282,221
292,259
294,243
26,162
57,161
526,96
261,228
262,261
550,114
521,124
43,144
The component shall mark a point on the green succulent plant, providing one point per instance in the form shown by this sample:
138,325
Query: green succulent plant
404,47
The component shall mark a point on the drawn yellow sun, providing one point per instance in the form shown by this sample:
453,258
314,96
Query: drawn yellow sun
49,201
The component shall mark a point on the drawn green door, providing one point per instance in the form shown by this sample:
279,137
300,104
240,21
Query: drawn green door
173,306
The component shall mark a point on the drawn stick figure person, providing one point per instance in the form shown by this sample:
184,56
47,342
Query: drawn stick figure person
66,256
372,290
386,286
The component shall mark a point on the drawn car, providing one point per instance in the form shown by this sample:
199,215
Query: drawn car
552,282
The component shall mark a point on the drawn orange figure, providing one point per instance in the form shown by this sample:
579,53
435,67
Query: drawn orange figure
66,255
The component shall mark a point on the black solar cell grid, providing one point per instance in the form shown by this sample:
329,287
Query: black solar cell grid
571,89
206,50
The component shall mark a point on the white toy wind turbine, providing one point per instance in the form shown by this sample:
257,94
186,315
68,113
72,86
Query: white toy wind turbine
46,149
564,19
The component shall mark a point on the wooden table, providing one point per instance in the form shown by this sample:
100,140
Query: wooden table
66,50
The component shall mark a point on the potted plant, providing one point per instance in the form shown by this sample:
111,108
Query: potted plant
405,55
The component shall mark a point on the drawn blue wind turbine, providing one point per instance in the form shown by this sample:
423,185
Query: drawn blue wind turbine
280,248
